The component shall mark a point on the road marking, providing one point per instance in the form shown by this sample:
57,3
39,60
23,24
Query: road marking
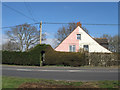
23,70
41,70
62,70
51,70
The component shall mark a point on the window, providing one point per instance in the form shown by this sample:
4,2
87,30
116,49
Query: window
72,48
86,47
79,36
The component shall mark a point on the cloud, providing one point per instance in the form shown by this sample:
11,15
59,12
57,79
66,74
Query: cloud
52,41
47,34
0,38
4,39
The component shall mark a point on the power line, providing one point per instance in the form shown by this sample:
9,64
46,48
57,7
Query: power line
18,12
18,25
101,24
32,11
27,7
49,22
62,23
54,23
81,23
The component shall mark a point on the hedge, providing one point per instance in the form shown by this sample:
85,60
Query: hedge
32,57
104,59
64,58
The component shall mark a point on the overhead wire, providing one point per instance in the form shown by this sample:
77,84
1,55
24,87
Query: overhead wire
76,23
18,11
63,23
33,12
28,9
17,25
48,22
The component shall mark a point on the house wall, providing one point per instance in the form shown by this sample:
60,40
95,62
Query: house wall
85,40
70,40
88,40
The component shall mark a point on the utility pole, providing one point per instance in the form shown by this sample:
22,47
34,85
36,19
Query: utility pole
40,42
40,32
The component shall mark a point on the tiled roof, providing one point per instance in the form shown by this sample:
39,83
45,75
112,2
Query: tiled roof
101,40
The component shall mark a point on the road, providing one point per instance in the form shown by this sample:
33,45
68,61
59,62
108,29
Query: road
61,73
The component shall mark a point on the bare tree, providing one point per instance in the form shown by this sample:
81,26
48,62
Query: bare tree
106,36
112,42
10,46
64,31
25,35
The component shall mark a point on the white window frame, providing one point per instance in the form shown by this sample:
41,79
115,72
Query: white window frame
79,38
72,48
85,48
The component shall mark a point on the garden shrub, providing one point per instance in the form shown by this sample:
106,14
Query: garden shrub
32,57
104,59
52,57
64,58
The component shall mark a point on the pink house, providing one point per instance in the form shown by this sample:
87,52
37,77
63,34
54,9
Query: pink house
71,42
80,39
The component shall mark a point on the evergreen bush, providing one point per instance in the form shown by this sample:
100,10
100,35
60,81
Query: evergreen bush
32,57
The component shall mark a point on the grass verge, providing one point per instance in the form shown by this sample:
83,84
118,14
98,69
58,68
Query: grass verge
15,82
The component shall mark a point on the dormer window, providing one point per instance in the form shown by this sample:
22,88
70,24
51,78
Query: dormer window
79,36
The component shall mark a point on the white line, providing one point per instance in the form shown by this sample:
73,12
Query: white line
60,70
23,70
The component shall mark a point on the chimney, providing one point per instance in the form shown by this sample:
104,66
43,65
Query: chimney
79,24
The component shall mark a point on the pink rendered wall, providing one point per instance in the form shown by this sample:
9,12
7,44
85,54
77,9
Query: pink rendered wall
70,40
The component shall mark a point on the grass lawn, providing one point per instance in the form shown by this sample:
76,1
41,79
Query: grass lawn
15,82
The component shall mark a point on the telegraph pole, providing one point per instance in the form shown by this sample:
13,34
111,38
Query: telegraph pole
40,42
40,32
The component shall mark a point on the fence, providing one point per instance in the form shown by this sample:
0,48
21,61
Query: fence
102,59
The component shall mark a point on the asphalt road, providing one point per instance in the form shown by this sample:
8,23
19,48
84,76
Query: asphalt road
61,73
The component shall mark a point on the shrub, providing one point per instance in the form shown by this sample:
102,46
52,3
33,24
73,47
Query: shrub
32,57
64,58
103,59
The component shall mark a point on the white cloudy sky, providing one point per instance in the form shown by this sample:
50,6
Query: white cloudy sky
0,40
51,41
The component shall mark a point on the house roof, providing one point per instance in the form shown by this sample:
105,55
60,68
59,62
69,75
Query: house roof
101,40
98,40
69,34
